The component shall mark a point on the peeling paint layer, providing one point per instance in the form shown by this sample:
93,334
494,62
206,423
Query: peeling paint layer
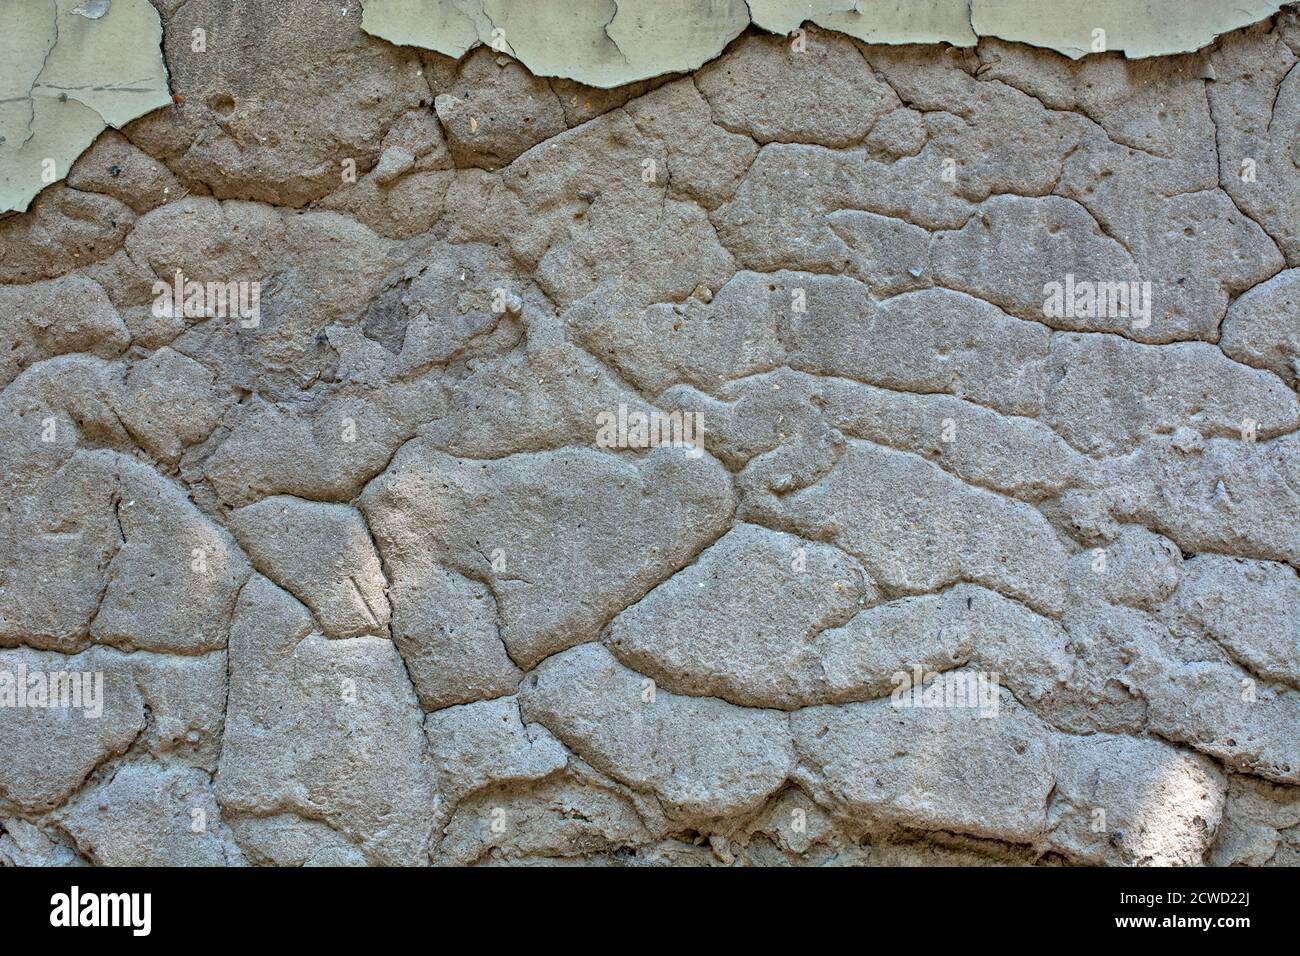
597,42
607,43
68,69
874,21
1136,28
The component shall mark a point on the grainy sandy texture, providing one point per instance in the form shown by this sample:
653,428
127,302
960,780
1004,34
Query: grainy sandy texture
365,537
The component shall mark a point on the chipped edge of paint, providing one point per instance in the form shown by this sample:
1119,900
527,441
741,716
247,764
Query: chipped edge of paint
71,68
573,38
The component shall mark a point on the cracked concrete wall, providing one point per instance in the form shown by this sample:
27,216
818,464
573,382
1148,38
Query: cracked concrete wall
966,532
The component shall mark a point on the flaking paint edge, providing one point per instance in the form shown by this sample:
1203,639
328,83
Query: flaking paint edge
607,43
1136,28
68,70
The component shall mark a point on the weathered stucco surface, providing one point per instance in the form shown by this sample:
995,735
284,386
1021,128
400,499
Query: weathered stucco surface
68,68
369,577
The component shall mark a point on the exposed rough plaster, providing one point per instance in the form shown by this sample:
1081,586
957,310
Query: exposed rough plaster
53,103
607,43
68,69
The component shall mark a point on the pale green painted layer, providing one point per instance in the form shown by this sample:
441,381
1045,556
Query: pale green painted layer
597,42
451,27
1136,28
610,42
68,69
783,16
874,21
